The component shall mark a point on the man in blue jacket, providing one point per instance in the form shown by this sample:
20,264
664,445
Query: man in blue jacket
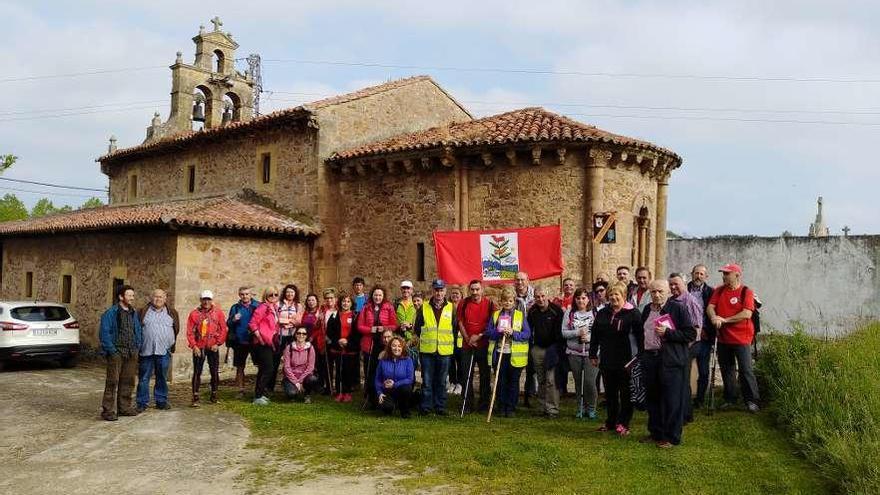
121,339
239,337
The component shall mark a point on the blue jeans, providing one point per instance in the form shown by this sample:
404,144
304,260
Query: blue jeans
702,351
147,365
508,384
731,357
435,369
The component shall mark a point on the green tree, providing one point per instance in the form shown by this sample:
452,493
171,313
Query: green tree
92,203
11,208
6,161
46,207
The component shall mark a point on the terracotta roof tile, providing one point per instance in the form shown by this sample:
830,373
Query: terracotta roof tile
301,111
226,213
526,125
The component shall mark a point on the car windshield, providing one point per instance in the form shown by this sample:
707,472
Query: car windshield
40,313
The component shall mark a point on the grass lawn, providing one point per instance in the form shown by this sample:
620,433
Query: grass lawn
731,452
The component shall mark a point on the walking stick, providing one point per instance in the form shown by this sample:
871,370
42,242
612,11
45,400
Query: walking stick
710,406
367,378
339,372
497,374
467,384
327,367
583,377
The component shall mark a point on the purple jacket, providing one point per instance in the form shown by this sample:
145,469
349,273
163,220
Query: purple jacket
400,370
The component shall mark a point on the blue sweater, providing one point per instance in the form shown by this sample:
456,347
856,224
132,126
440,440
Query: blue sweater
240,328
402,371
110,330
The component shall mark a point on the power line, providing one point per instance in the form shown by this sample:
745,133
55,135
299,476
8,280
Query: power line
72,114
104,105
45,193
563,72
87,72
627,107
35,183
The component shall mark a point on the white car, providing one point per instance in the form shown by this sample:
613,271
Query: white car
39,330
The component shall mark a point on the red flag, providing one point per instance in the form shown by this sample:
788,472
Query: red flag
494,256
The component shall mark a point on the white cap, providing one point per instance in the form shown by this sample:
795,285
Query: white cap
206,294
406,283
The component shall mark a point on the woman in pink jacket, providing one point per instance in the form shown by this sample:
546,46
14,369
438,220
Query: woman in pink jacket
264,329
376,316
299,368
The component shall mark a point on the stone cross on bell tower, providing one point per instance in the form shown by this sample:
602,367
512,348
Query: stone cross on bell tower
818,228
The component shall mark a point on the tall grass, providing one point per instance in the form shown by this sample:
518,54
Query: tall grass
827,393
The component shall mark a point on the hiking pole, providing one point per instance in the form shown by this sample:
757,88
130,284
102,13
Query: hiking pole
339,373
583,377
467,384
497,375
327,367
367,378
710,406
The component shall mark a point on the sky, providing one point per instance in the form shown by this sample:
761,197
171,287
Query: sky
770,106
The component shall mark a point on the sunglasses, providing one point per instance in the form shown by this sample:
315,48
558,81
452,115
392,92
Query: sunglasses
273,295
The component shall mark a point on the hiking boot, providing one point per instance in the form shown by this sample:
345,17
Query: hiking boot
129,412
195,401
141,408
752,407
108,416
261,401
214,399
591,412
456,390
164,406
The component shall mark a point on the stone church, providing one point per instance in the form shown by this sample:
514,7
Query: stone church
216,197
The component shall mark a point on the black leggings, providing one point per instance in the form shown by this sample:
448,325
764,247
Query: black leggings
620,410
213,358
262,357
397,397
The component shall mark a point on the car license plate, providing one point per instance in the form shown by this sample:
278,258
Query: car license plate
45,332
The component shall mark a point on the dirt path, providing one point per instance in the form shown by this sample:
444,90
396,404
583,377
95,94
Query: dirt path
52,441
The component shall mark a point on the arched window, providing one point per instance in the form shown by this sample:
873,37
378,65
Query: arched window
219,62
231,108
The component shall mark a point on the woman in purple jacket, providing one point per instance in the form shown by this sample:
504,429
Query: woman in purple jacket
394,378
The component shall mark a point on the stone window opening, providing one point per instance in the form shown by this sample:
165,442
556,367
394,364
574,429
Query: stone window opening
117,283
420,262
133,187
29,285
266,170
191,179
219,61
66,289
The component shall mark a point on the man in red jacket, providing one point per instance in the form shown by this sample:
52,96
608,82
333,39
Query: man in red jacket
205,333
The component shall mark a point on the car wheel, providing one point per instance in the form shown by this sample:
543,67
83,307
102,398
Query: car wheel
68,362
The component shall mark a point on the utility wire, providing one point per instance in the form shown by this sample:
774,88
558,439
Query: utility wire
563,72
87,107
22,181
45,193
87,72
72,114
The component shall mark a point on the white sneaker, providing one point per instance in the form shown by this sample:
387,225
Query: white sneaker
450,388
261,401
457,390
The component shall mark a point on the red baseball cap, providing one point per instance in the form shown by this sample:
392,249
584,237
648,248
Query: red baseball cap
731,267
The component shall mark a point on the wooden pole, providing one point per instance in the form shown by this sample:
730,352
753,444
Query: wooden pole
497,374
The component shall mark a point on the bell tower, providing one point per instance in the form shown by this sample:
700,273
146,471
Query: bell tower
209,91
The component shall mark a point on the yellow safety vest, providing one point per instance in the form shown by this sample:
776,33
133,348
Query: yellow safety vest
437,337
519,351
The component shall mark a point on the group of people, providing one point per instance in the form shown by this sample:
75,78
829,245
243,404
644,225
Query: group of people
634,338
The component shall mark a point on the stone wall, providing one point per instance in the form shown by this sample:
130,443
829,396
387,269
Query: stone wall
828,285
416,106
626,191
227,166
143,260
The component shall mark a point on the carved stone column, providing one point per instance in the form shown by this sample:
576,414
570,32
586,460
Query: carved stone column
597,161
660,247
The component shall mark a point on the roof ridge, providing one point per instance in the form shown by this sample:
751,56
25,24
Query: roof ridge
365,92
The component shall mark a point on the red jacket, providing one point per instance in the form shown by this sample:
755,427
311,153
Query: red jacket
264,324
365,324
208,334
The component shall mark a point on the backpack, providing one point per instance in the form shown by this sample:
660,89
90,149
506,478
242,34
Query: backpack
756,315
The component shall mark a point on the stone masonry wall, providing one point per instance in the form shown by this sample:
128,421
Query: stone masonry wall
413,107
143,260
226,167
224,263
626,191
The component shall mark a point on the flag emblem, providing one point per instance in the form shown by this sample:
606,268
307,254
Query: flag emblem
500,256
